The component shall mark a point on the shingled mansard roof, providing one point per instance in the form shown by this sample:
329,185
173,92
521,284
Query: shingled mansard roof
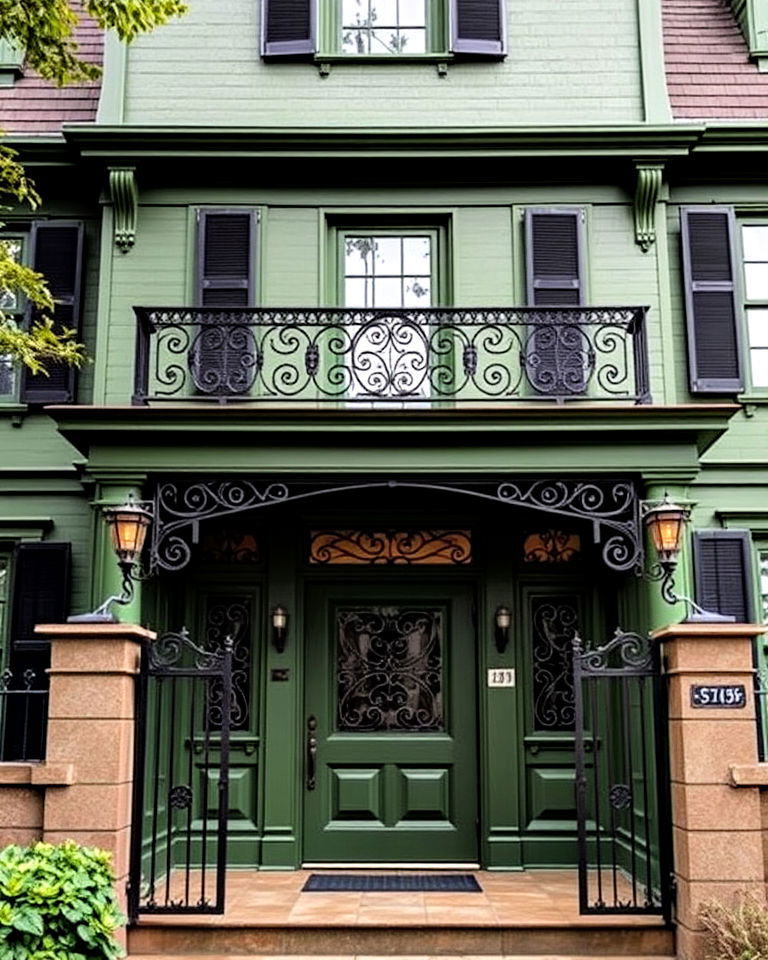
35,106
709,74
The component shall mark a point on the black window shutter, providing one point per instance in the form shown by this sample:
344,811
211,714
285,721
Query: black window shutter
287,28
478,27
221,360
723,572
226,258
41,581
57,253
554,257
556,355
714,338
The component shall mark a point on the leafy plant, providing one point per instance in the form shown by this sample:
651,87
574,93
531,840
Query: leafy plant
57,902
738,931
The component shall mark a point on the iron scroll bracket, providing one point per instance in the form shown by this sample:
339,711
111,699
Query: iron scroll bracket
611,506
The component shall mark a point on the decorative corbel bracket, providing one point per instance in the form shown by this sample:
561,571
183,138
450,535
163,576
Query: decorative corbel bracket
125,203
650,175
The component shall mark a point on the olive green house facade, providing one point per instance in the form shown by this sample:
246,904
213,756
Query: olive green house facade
399,312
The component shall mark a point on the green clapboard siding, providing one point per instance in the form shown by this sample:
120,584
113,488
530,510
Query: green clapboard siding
569,61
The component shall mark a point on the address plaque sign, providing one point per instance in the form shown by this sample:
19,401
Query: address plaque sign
719,695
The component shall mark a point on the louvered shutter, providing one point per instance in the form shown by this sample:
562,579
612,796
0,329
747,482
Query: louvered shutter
714,338
553,248
57,253
221,359
556,354
41,579
723,572
478,27
287,28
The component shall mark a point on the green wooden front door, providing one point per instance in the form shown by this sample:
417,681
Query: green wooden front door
391,703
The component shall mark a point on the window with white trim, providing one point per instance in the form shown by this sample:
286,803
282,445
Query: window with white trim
754,244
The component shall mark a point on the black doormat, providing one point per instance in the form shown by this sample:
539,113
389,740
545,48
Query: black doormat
425,882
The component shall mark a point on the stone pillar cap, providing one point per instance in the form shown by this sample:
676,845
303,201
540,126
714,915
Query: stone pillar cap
95,631
708,631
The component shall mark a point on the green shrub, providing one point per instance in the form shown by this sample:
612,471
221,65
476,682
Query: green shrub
57,903
738,931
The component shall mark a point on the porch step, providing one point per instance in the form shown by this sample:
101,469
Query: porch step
596,941
445,956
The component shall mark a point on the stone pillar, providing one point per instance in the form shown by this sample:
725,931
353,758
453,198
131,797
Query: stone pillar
717,829
90,726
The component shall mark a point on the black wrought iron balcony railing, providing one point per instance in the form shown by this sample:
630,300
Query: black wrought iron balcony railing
433,357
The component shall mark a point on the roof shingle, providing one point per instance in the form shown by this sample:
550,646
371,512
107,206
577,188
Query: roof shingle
709,73
36,106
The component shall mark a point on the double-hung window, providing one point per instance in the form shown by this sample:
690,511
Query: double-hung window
55,249
386,29
754,245
381,270
12,306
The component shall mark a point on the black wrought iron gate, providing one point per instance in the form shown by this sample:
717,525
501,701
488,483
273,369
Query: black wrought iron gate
181,780
622,778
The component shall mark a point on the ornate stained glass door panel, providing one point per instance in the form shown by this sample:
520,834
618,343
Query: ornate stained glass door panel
390,726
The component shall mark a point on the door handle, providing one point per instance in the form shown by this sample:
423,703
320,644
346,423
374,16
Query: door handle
311,752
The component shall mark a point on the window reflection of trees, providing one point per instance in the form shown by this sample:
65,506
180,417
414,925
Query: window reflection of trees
386,27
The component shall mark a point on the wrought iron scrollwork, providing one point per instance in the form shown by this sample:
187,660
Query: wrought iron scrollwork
612,507
230,618
624,653
555,622
180,797
390,547
523,353
389,670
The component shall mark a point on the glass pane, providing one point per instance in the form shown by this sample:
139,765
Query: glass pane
388,293
395,547
412,13
390,670
757,323
358,256
354,12
417,292
764,583
231,617
759,360
384,13
7,377
755,242
384,40
417,255
555,621
412,41
354,41
358,293
756,279
9,299
388,256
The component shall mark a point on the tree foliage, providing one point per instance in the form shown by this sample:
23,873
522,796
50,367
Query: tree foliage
43,29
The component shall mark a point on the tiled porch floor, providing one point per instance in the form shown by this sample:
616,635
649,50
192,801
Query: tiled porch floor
534,898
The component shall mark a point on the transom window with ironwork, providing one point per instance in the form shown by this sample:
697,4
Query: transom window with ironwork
390,547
